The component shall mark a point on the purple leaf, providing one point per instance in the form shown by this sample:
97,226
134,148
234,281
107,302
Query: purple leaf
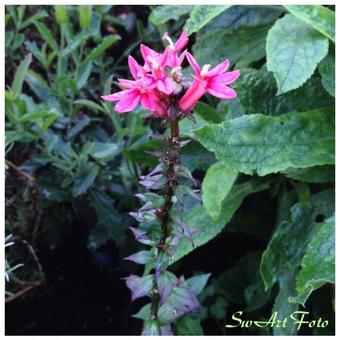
141,236
139,286
166,330
180,302
142,257
164,284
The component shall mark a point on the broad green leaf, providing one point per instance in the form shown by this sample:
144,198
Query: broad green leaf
208,229
162,14
268,144
293,51
244,15
291,238
194,156
84,182
315,174
201,15
241,46
187,126
216,185
327,70
318,263
20,74
320,17
99,50
256,90
208,113
242,283
47,35
282,307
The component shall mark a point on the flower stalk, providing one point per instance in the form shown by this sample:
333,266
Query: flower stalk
171,161
160,87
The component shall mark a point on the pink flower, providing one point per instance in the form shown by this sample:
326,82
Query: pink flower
214,82
171,52
138,92
160,82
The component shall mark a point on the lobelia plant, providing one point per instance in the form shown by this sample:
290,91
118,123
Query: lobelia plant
159,87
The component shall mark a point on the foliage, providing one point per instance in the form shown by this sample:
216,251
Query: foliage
265,160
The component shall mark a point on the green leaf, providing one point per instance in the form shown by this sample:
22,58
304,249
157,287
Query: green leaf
282,307
234,282
208,228
189,325
327,70
143,313
85,13
47,36
198,282
201,15
241,46
82,122
90,104
270,144
84,182
162,14
216,185
108,216
99,50
318,263
20,75
256,91
76,41
315,174
83,75
105,151
293,51
320,17
291,238
208,113
195,156
245,15
60,13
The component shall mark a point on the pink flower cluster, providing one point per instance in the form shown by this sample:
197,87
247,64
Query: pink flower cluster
159,82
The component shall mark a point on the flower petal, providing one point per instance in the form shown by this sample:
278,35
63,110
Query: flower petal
148,101
223,92
114,96
135,68
193,63
226,78
182,41
192,95
128,101
219,68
